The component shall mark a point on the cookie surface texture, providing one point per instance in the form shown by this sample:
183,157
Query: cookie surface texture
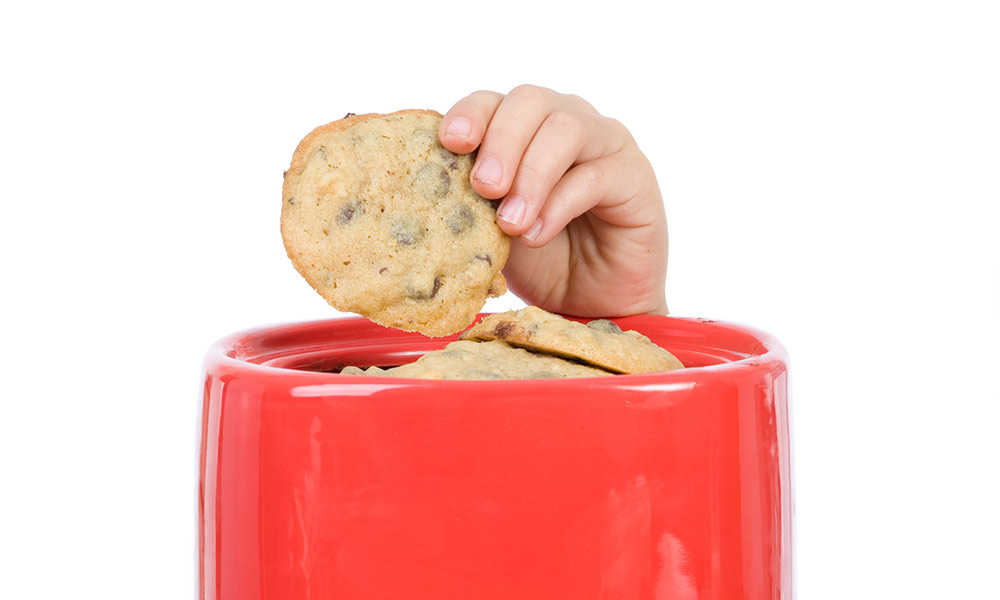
382,221
601,342
491,360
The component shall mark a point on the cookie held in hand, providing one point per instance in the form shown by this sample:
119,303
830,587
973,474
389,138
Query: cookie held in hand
382,221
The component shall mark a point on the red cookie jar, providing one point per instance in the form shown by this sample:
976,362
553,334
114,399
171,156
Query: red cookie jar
320,485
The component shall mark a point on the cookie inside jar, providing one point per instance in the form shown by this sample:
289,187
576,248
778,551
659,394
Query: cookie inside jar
534,344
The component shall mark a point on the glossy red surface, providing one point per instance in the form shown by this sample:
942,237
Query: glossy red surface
318,485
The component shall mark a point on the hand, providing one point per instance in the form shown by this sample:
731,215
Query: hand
577,193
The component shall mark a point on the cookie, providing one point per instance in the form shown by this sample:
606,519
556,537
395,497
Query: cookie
601,343
485,360
382,221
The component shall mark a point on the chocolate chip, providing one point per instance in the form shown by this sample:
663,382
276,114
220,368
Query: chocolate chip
503,329
437,286
460,219
407,232
291,200
449,157
418,294
432,182
605,326
349,211
349,115
485,258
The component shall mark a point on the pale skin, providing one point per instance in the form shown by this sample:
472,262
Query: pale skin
575,191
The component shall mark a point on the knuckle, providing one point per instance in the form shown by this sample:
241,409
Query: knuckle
614,123
477,102
567,122
618,126
488,95
529,92
575,100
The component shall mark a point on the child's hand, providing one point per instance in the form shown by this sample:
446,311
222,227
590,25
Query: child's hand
578,193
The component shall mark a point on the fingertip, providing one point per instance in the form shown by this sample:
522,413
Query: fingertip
458,134
510,214
464,125
458,127
486,190
529,243
533,236
507,228
488,177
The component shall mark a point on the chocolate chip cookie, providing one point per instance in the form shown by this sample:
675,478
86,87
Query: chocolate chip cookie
467,359
381,220
601,343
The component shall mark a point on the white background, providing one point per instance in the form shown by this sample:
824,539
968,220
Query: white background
831,173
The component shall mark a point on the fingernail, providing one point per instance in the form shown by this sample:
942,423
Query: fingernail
532,233
489,172
512,210
459,127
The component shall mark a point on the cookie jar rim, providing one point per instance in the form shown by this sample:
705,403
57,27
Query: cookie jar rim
244,351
